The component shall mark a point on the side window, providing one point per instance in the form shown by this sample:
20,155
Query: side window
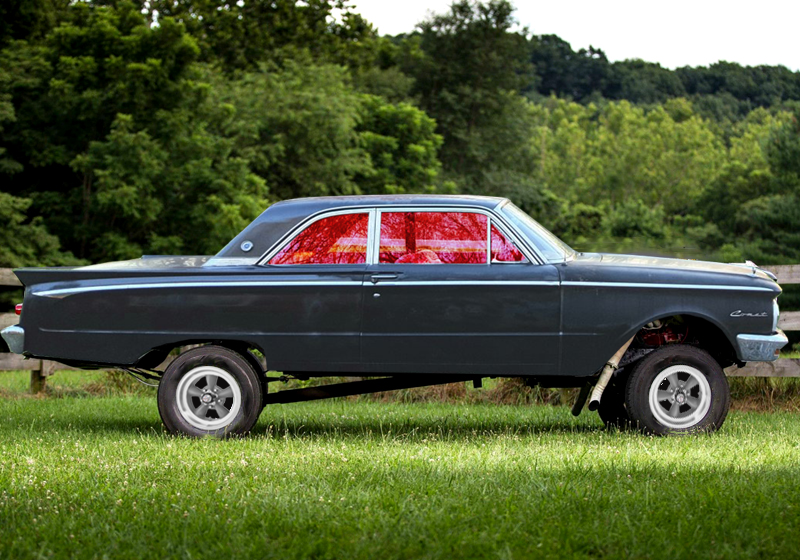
503,250
433,238
340,239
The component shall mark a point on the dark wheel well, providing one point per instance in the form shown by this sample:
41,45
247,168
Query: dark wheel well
253,354
687,329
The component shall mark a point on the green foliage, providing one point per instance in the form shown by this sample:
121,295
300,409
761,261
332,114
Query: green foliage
28,19
402,145
296,126
25,242
242,35
470,67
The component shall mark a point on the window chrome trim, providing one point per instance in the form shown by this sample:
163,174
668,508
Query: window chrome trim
308,222
489,240
531,253
492,218
508,238
531,245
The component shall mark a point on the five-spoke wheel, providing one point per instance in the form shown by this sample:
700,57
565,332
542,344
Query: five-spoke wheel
210,390
677,388
208,397
680,396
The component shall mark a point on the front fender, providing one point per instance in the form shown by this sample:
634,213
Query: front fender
599,319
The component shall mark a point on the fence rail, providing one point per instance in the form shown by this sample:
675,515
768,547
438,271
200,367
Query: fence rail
785,367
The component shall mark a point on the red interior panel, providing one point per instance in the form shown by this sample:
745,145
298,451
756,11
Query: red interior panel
338,239
504,250
433,238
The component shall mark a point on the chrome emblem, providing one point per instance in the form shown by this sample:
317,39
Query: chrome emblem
740,313
246,245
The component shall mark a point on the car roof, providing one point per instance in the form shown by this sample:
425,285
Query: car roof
282,216
319,203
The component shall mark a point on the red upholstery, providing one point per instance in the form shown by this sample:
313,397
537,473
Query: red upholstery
426,256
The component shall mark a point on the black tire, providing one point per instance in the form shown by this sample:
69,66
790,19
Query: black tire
612,409
691,396
236,389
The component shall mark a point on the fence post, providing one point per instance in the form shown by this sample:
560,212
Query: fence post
39,376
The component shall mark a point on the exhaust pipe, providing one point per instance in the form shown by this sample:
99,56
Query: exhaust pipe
605,377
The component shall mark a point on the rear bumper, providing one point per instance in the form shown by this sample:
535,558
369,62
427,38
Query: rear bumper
760,347
14,337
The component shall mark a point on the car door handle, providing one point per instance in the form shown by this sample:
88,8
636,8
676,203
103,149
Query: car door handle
375,278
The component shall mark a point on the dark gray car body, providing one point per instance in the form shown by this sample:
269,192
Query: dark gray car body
539,318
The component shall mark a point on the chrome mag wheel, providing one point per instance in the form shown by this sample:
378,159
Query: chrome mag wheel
680,396
208,397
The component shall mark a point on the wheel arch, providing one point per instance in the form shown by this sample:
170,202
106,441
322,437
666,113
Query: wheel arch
711,335
158,355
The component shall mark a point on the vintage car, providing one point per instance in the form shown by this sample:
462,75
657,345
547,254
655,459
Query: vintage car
407,291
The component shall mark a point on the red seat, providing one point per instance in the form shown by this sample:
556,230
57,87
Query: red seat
426,256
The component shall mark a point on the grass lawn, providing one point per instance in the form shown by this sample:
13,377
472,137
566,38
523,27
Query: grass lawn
93,477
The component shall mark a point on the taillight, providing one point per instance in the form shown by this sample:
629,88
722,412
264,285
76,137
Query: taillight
18,309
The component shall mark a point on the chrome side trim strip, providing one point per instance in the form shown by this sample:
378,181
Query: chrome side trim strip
664,286
466,283
244,284
231,261
61,292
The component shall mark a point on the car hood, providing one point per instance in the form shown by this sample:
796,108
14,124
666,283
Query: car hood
607,259
151,262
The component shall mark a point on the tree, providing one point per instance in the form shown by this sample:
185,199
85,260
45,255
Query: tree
402,146
241,35
22,20
472,62
566,73
26,242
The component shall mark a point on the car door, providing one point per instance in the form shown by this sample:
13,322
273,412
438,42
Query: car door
311,304
449,292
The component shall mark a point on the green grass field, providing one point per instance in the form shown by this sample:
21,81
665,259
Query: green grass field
95,477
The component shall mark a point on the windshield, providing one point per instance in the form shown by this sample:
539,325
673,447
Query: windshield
550,246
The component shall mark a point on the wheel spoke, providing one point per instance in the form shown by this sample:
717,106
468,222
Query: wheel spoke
691,384
195,391
221,410
663,395
201,410
673,380
209,397
674,410
694,402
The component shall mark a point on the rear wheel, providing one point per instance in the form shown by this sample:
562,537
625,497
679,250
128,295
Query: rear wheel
210,391
678,389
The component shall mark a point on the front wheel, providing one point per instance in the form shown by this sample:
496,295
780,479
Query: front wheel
209,391
677,389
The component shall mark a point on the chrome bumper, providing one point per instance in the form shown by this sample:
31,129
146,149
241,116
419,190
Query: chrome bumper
14,337
760,347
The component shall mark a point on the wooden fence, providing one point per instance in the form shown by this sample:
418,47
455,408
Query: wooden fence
789,321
